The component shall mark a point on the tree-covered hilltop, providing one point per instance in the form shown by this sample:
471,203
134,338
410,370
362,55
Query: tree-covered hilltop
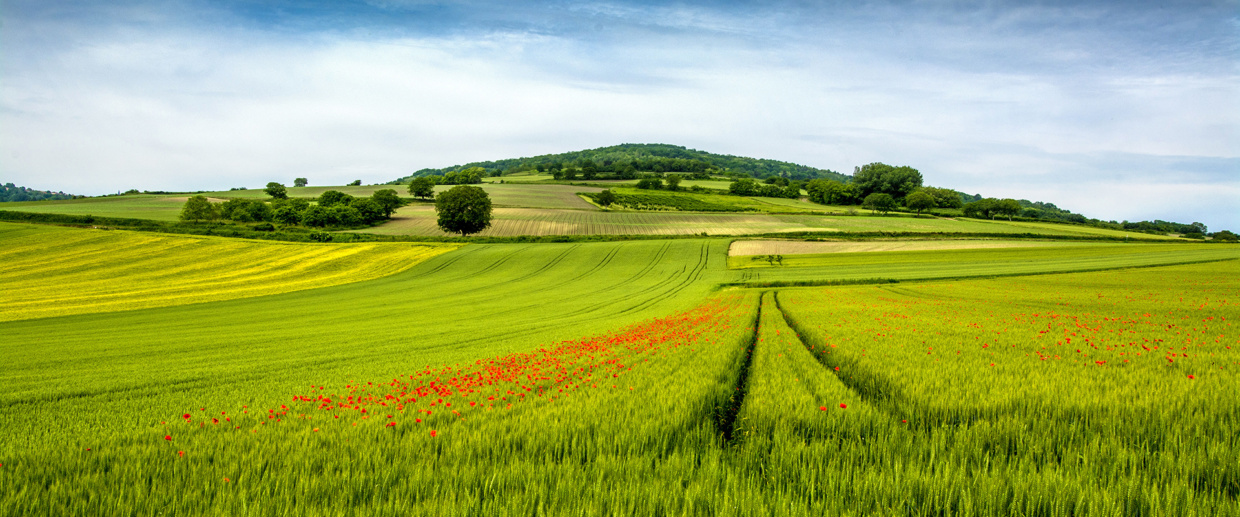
625,159
11,192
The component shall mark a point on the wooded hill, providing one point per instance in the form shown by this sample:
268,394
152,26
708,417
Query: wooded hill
618,159
11,192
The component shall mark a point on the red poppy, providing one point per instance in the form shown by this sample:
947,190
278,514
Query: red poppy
168,437
391,424
843,405
185,416
1191,377
434,433
823,408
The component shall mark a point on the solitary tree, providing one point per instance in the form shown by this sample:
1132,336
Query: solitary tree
919,201
355,183
276,190
879,202
463,209
198,208
423,187
673,181
300,182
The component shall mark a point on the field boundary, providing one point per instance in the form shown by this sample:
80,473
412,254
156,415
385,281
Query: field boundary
874,281
725,415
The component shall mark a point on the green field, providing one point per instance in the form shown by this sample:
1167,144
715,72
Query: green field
136,206
615,378
119,270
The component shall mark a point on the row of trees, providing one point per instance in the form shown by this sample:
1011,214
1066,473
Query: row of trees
11,192
773,187
332,208
628,161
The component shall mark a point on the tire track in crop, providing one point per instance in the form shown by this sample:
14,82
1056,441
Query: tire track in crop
602,264
500,262
689,279
452,259
726,410
873,388
548,265
650,264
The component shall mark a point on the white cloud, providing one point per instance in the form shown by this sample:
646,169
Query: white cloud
174,109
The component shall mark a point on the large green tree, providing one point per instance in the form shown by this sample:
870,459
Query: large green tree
300,182
463,209
876,177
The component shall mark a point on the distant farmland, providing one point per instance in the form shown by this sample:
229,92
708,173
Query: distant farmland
420,220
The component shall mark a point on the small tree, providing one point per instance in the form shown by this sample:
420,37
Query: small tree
879,202
919,201
300,182
463,209
673,181
605,198
354,183
423,187
276,190
198,208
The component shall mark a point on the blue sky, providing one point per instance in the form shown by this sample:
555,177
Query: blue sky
1115,110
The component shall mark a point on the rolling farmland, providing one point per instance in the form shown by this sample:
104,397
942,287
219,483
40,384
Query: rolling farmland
514,379
420,220
116,270
741,248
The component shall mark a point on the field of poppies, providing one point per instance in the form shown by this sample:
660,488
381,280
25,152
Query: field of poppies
619,378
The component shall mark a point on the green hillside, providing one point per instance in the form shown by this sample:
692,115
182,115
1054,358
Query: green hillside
646,158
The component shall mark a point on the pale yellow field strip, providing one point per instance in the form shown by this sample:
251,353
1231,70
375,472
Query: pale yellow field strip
787,247
51,271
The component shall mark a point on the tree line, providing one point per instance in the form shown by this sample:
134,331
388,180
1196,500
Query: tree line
11,192
331,208
626,161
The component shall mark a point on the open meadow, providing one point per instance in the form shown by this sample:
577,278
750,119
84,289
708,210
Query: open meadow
614,378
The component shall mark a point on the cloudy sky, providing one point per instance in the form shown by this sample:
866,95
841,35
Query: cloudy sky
1124,110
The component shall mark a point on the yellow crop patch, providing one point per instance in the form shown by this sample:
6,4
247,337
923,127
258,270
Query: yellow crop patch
51,271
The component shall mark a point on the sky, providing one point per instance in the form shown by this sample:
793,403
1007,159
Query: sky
1116,110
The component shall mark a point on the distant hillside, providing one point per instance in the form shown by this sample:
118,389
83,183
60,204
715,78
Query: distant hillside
645,158
11,192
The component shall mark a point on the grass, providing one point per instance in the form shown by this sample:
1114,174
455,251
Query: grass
610,378
1099,393
967,263
133,206
106,271
741,248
